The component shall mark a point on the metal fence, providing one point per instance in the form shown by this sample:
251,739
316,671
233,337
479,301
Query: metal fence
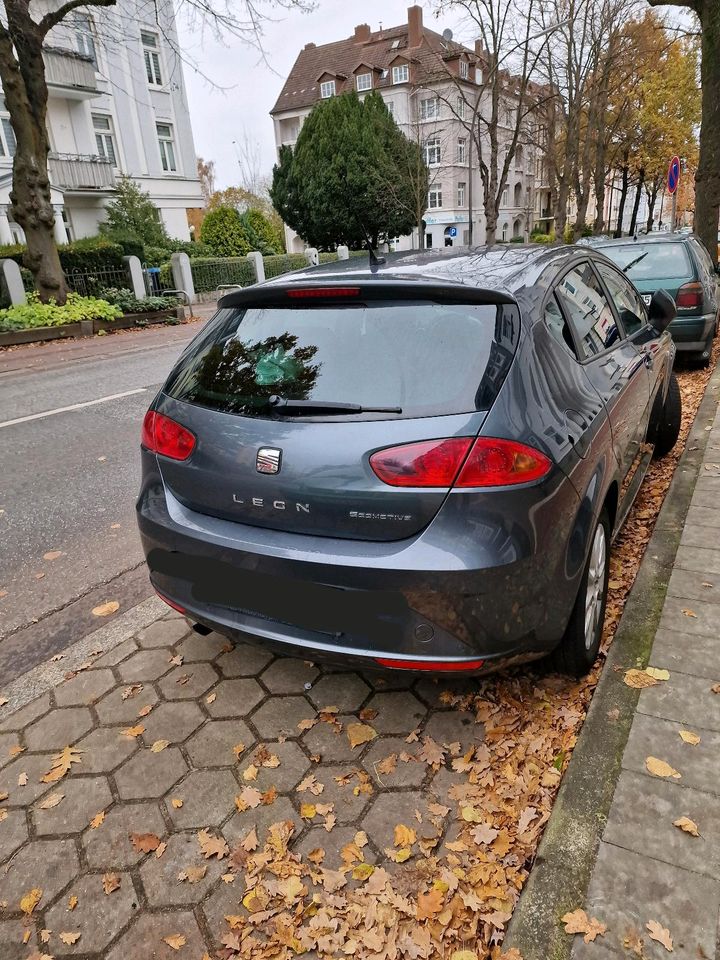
92,283
283,263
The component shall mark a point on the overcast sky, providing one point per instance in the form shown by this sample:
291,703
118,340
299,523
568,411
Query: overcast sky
220,117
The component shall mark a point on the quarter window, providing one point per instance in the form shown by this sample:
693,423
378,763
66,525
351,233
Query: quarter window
167,147
327,89
628,303
557,325
401,74
363,81
151,52
435,197
104,139
589,310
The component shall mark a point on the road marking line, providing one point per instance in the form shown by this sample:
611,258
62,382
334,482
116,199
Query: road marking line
73,406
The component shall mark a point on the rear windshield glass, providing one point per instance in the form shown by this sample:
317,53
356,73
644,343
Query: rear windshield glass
426,358
651,261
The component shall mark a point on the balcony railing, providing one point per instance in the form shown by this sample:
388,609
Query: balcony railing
71,171
66,68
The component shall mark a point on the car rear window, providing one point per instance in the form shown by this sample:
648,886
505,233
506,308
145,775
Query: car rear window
427,358
651,261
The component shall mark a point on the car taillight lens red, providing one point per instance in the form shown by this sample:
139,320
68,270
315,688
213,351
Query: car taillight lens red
445,666
162,435
689,295
460,462
323,292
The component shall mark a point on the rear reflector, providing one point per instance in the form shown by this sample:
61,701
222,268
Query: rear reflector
447,666
459,461
689,295
162,435
170,603
324,292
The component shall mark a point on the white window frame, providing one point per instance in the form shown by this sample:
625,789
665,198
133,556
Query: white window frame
432,151
464,70
401,73
461,105
366,83
461,194
505,232
154,67
166,145
84,36
390,104
7,147
327,89
435,200
478,76
105,136
461,155
505,199
430,108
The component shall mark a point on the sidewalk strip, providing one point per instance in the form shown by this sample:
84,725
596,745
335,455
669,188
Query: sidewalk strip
73,406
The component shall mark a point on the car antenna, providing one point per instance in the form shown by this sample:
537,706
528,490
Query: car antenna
375,260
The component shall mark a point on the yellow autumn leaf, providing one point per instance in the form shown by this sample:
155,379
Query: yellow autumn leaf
657,673
688,825
70,938
472,815
97,820
463,955
51,801
404,836
307,810
159,745
362,871
72,902
359,733
400,856
176,803
638,679
290,888
659,768
133,732
689,737
176,941
30,900
105,609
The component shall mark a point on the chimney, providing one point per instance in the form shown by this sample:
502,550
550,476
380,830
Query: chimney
415,26
362,33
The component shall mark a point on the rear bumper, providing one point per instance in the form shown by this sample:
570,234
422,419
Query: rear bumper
691,334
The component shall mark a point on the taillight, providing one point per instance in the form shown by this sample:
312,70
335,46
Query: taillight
162,435
689,295
443,666
460,462
321,292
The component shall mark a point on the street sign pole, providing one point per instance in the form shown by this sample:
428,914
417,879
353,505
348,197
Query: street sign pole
673,179
673,220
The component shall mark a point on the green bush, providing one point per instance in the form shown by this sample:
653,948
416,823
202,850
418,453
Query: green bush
85,255
125,300
224,233
517,239
37,314
542,238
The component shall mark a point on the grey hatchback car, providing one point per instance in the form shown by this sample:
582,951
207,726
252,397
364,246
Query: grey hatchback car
418,465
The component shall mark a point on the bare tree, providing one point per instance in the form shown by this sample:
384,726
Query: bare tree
206,175
249,159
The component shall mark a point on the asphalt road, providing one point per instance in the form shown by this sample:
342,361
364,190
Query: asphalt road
68,482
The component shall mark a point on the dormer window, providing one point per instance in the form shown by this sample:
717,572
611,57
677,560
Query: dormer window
401,73
363,81
327,89
464,70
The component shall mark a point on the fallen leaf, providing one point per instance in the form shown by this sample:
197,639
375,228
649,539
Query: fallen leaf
238,749
51,801
689,737
483,833
52,555
212,846
3,701
132,691
659,768
61,763
133,732
689,613
657,673
270,796
639,679
310,783
388,765
30,900
16,750
176,941
404,836
248,799
176,803
715,688
144,711
250,773
105,609
211,698
578,922
72,902
688,825
70,938
307,810
97,820
330,821
465,955
159,745
359,733
660,934
23,779
145,842
227,877
162,847
193,874
110,883
183,679
250,842
430,904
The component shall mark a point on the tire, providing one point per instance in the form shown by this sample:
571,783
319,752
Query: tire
578,649
667,429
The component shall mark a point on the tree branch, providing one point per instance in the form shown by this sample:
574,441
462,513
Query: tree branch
51,20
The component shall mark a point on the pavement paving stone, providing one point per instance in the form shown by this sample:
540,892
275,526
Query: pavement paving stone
7,742
597,950
117,654
294,764
347,806
448,727
707,517
398,713
286,675
149,774
163,633
208,798
20,719
13,832
195,647
392,808
47,864
317,838
83,797
121,705
172,721
642,815
160,876
235,698
701,618
686,653
346,691
108,846
84,688
694,536
406,773
692,585
145,666
144,939
384,680
244,660
705,560
188,681
104,749
261,818
224,901
281,715
697,764
59,728
627,890
27,766
98,916
328,740
212,745
12,933
686,699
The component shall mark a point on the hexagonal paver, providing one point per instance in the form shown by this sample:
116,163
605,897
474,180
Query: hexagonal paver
455,726
244,660
83,797
145,666
104,749
58,729
285,777
51,864
118,653
346,805
7,742
163,633
25,715
208,797
235,698
13,833
12,935
224,901
329,741
114,709
150,774
84,688
383,680
98,917
34,767
195,647
144,939
397,712
160,877
432,689
108,846
200,677
390,809
346,691
281,715
286,675
317,838
212,745
403,773
172,721
262,818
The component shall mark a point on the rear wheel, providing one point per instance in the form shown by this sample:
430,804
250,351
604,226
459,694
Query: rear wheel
579,647
667,428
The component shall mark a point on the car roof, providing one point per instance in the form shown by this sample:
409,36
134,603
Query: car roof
595,242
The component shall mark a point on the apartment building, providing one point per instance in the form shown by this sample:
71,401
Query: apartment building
431,85
117,104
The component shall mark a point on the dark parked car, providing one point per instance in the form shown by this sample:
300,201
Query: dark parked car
679,264
418,465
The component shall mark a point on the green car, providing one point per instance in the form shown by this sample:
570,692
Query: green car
680,264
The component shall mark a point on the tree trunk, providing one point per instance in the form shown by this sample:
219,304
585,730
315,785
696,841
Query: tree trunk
623,196
707,179
636,204
561,215
652,197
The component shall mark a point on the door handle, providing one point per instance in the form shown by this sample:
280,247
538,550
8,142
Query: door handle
647,358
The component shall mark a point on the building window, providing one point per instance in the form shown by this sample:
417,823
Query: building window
432,151
7,138
104,140
464,70
84,40
461,108
505,198
390,104
461,195
167,147
151,52
363,81
327,89
505,232
478,75
435,197
401,74
461,150
430,108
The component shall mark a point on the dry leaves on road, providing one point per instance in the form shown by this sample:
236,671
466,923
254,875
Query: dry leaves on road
578,922
61,764
660,934
645,678
192,874
30,900
358,733
159,745
105,609
145,842
52,800
175,941
659,768
70,937
689,737
110,883
97,820
133,732
211,846
688,825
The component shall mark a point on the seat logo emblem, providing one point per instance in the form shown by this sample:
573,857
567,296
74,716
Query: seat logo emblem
268,460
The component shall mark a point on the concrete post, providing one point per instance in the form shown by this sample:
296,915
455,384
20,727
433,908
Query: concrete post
135,275
6,236
312,255
59,230
343,253
182,274
12,279
258,265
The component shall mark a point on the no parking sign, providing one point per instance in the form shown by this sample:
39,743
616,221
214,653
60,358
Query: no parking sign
673,178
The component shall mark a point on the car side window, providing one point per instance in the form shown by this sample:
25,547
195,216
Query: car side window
703,256
628,302
558,326
589,310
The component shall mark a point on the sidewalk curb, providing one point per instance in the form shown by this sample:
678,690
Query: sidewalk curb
565,859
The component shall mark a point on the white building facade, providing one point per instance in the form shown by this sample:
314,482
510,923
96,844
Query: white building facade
117,105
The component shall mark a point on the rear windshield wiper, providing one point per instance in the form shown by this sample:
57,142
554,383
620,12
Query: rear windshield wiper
281,404
634,263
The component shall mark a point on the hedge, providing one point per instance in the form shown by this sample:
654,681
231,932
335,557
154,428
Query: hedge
86,255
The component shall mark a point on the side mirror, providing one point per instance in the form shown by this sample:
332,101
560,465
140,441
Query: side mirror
662,310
